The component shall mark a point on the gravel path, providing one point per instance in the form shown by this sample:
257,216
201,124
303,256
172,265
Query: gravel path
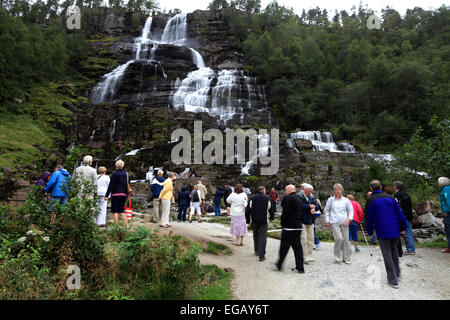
424,275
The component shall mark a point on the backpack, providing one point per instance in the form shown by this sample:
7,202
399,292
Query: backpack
195,197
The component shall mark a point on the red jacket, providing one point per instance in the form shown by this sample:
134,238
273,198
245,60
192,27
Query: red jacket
357,212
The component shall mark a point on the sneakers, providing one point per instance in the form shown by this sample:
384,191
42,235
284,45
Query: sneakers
317,246
337,259
347,262
275,267
309,259
190,221
407,253
395,286
297,271
446,251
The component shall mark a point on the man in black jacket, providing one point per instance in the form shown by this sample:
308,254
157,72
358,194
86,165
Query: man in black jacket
291,222
226,192
404,200
258,210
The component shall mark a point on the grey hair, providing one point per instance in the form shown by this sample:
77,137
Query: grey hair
338,186
170,174
120,164
87,159
375,184
443,181
398,185
307,186
261,189
160,172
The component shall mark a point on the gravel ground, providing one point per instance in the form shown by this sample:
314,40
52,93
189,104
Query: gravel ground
425,276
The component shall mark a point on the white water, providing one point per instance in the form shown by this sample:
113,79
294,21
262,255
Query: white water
262,150
322,141
112,130
175,30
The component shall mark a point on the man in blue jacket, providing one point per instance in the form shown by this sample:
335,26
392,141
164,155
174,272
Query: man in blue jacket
58,186
384,213
309,208
156,187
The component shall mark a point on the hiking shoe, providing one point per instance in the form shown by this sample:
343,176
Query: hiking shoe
337,259
347,262
262,259
407,253
446,251
395,286
297,271
309,259
275,267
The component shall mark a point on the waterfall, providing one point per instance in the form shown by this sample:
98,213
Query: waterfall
198,59
112,130
175,30
322,141
262,150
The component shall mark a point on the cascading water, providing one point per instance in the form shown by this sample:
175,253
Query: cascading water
262,150
321,141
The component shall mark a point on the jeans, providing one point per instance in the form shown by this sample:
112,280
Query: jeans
316,240
353,231
291,239
260,238
182,210
217,208
56,200
447,229
409,239
373,239
389,249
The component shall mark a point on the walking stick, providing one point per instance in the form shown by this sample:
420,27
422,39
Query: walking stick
368,247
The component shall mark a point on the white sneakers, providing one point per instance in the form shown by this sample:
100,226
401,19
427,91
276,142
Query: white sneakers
309,259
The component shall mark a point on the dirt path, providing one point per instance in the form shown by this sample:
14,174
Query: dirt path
424,276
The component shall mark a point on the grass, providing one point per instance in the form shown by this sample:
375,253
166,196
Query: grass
217,248
216,284
434,244
222,220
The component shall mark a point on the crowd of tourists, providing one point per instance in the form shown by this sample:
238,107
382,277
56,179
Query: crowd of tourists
387,212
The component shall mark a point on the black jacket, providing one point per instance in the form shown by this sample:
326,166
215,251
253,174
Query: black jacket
257,209
118,183
307,217
404,200
291,216
226,192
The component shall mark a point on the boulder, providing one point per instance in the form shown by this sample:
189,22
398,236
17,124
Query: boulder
425,235
425,207
303,144
429,220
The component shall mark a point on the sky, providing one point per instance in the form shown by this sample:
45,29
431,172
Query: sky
330,5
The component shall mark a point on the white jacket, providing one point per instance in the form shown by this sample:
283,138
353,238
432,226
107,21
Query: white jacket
102,184
238,203
337,211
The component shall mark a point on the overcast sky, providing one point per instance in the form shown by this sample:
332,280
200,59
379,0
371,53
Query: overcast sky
330,5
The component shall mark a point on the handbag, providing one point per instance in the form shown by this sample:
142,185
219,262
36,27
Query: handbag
128,210
129,190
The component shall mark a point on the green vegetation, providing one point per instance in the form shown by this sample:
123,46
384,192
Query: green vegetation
217,248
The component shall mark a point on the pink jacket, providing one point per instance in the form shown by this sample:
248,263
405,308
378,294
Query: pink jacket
357,212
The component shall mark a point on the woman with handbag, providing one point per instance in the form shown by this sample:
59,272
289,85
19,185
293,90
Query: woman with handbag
119,188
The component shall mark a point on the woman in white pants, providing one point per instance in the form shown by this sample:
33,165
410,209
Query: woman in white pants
102,187
338,214
195,204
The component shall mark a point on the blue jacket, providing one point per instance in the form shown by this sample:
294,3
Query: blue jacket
184,197
157,186
118,183
384,213
59,183
218,195
444,198
307,217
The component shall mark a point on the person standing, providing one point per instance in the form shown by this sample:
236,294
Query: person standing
404,200
218,201
385,215
102,187
273,195
338,214
195,205
291,223
166,197
156,187
354,224
444,200
203,193
85,173
238,201
118,189
309,208
259,208
226,193
183,203
42,182
58,186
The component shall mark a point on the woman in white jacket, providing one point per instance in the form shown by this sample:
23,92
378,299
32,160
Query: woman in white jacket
102,187
238,201
338,214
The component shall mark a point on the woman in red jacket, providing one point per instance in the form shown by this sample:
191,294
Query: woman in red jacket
354,224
